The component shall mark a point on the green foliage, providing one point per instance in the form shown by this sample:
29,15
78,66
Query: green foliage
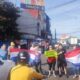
8,26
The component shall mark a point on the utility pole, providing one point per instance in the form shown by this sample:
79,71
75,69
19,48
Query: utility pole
38,25
55,36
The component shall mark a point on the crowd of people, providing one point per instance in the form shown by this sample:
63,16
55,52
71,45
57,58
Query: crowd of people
28,62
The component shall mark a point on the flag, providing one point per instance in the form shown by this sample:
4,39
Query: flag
73,56
15,51
51,53
13,54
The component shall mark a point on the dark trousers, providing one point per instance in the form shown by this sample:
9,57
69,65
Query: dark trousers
38,66
52,65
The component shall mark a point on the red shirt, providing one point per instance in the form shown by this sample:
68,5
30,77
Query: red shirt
51,59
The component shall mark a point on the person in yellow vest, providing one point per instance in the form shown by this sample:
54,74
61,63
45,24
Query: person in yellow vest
23,71
51,55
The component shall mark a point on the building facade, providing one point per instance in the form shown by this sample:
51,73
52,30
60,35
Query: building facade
33,21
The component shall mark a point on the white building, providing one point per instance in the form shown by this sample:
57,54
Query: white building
73,40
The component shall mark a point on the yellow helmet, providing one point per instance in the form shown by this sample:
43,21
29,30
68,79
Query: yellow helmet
12,44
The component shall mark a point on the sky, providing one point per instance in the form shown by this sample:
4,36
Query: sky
64,16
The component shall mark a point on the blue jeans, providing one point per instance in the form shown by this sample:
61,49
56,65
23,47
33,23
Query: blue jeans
77,70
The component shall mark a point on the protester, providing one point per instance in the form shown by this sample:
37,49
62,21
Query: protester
51,60
35,58
12,45
23,71
32,54
76,68
12,52
61,61
46,47
3,52
56,46
73,57
38,58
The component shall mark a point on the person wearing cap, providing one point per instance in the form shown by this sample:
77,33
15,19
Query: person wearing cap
23,71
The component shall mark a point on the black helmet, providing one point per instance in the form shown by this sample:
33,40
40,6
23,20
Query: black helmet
23,56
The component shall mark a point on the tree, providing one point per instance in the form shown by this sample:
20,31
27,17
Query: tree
8,26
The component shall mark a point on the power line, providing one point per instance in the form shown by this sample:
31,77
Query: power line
72,1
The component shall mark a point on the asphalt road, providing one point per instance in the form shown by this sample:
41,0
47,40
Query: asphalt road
70,71
4,70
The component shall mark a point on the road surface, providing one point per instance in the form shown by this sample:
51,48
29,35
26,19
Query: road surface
4,70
